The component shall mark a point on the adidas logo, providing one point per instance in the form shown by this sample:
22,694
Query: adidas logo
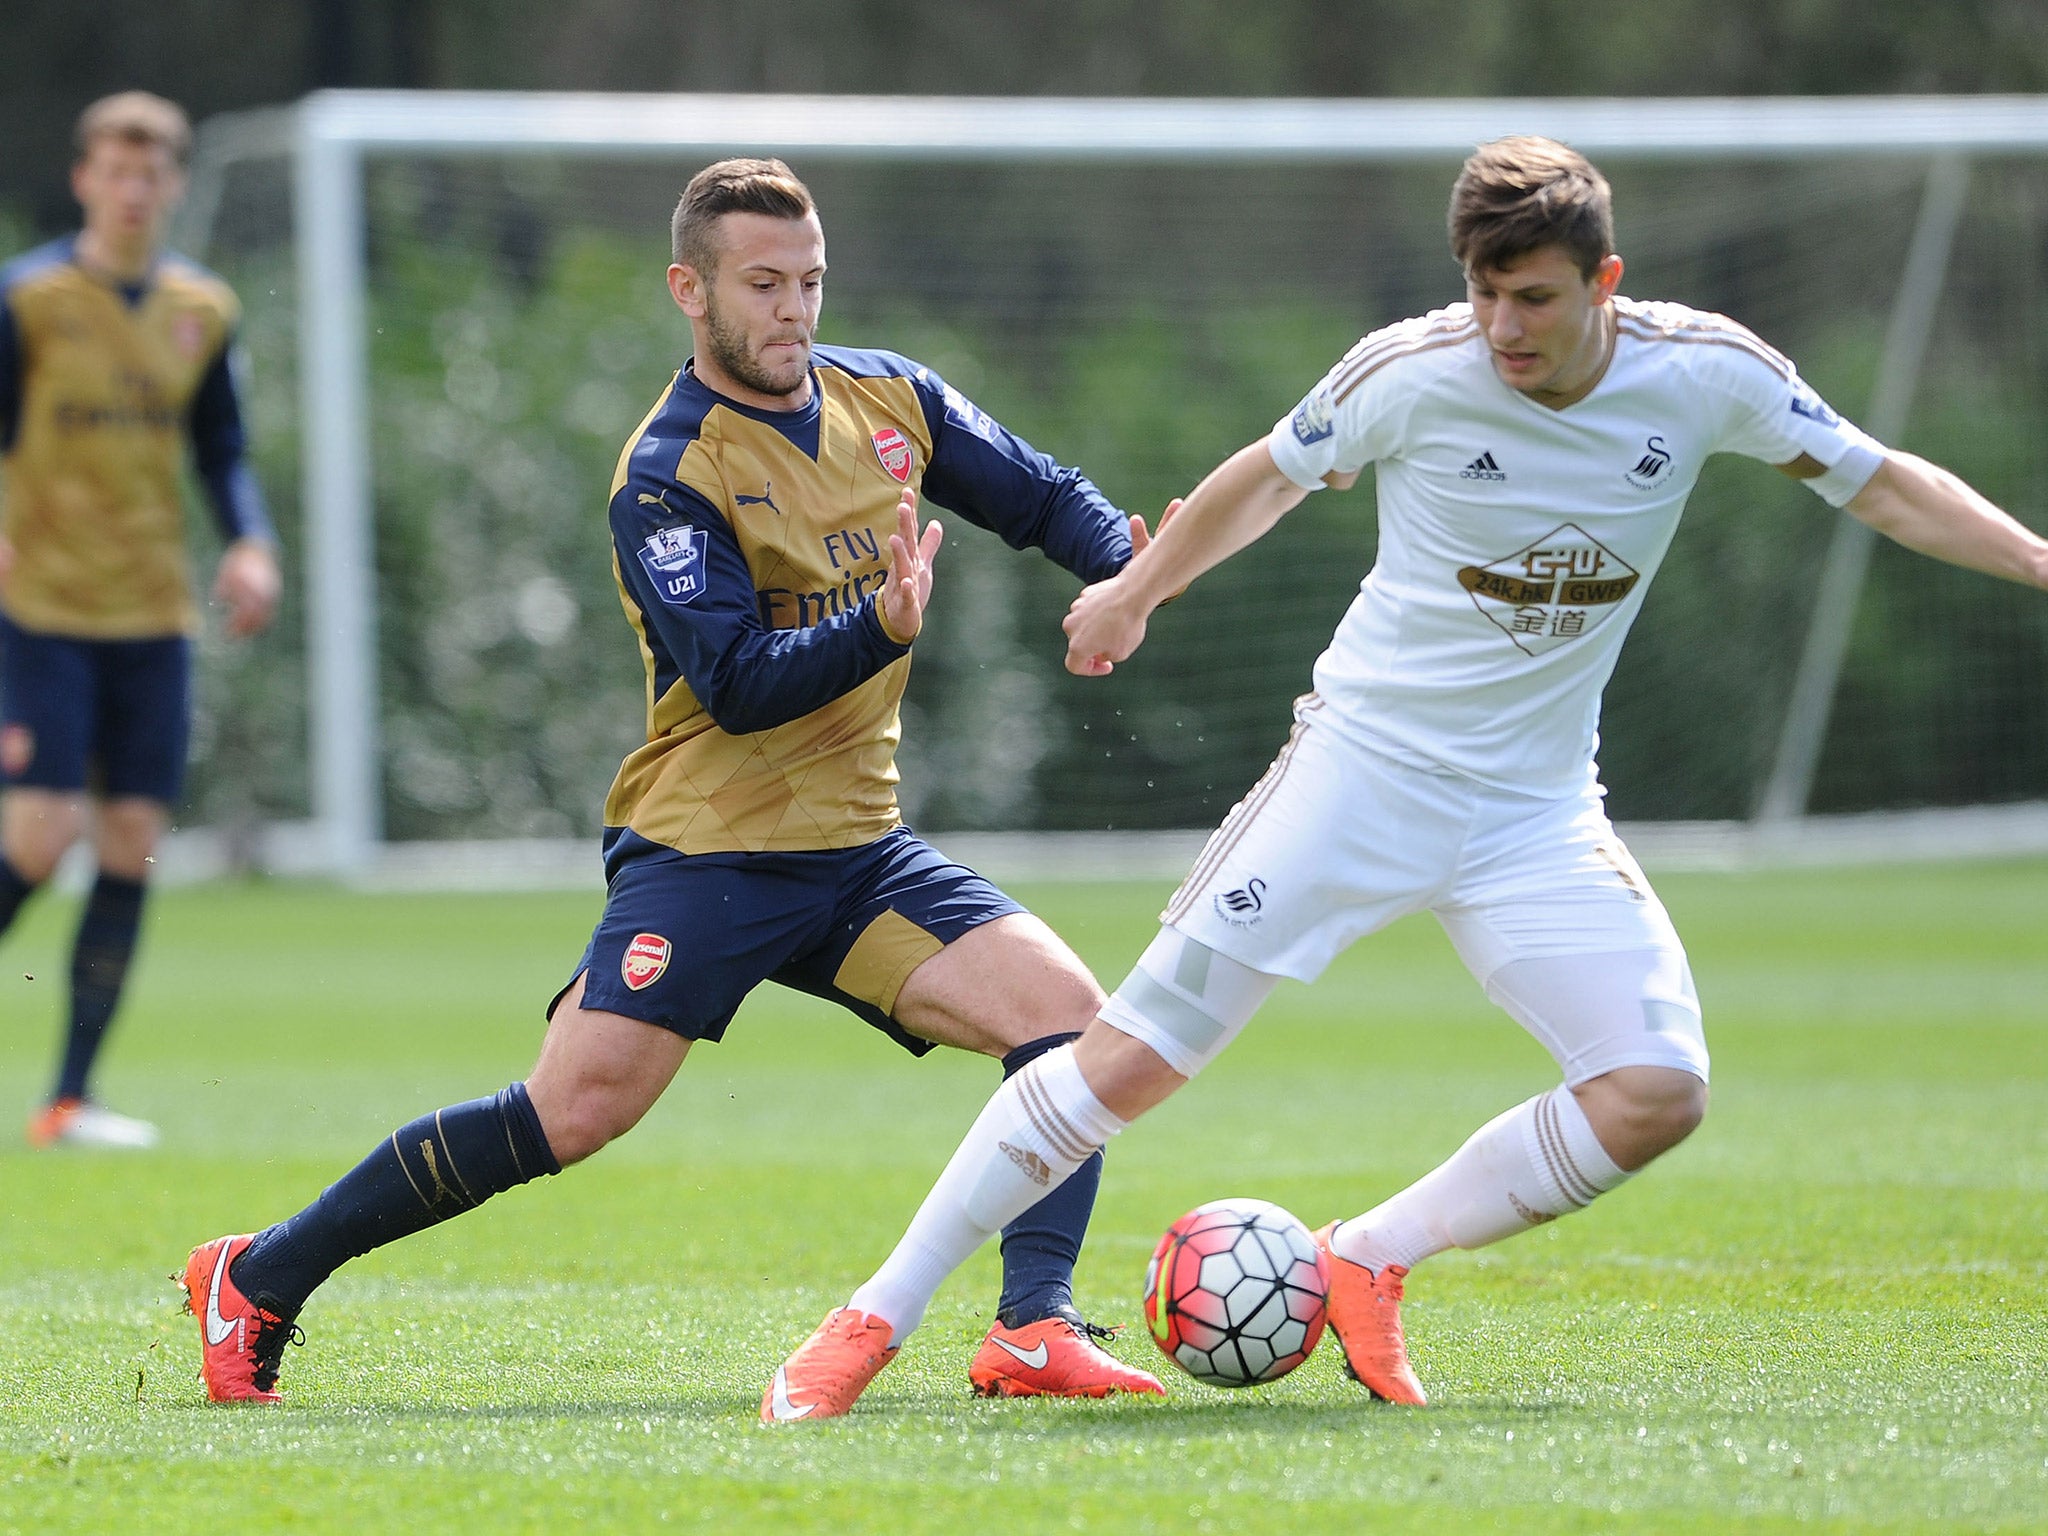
1034,1166
1482,468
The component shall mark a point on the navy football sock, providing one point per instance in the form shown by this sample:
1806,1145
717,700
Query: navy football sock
14,890
438,1166
107,931
1040,1247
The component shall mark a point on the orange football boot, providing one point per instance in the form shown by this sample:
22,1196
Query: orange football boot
829,1370
1365,1314
240,1343
1056,1356
84,1123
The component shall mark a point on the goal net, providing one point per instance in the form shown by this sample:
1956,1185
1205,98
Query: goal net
456,315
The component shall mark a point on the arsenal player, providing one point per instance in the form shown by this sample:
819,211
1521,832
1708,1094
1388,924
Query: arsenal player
766,540
114,369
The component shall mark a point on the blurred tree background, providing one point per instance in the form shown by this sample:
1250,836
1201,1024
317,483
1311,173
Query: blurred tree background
1121,322
217,55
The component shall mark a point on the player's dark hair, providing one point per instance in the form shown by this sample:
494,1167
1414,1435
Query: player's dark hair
731,186
1517,195
136,117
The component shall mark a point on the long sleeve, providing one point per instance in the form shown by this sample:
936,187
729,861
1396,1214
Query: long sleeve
218,446
683,568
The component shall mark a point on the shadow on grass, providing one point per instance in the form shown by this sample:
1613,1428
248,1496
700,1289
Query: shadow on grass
1052,1420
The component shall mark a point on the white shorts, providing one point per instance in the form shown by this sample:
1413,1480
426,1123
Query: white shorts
1337,841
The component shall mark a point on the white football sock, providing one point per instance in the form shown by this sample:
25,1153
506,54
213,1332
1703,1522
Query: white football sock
1041,1125
1533,1164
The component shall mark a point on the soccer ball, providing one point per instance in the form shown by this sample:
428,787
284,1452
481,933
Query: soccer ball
1235,1293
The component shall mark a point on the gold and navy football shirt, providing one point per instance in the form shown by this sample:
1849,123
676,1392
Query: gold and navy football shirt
749,546
101,389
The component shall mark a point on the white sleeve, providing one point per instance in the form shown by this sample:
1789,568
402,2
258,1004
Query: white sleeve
1776,416
1346,422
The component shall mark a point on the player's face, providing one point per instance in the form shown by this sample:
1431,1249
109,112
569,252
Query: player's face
127,190
757,315
1545,321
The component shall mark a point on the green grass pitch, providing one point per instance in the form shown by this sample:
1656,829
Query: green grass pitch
1829,1311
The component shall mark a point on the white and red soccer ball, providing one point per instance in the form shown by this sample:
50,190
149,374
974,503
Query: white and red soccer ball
1235,1293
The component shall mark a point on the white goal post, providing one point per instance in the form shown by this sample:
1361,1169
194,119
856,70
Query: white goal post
328,138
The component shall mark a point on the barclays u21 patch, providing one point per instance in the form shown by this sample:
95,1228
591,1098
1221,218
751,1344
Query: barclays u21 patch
674,560
1810,405
1312,419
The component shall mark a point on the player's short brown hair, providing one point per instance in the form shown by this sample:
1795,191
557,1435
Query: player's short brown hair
136,117
1519,194
731,186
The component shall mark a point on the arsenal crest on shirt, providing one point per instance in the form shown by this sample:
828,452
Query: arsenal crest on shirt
893,449
644,961
189,331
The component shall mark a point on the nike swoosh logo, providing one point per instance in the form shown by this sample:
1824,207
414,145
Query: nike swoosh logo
1035,1358
778,1399
218,1328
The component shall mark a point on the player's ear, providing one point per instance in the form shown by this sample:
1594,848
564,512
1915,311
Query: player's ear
686,285
1606,278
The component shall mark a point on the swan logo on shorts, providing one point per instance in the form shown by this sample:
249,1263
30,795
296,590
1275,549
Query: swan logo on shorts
893,449
644,961
1244,906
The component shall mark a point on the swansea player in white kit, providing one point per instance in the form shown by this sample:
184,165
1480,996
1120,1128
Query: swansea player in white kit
1534,447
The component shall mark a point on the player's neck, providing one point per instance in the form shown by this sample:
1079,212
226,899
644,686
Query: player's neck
1577,381
719,382
120,261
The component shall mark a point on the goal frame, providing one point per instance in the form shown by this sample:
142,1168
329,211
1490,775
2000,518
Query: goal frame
329,137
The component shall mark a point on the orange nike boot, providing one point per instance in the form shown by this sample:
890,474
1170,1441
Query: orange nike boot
240,1343
1365,1314
1056,1356
829,1370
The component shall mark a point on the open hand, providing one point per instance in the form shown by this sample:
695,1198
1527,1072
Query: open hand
248,585
902,601
1141,537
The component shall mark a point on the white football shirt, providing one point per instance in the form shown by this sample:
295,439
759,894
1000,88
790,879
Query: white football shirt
1517,542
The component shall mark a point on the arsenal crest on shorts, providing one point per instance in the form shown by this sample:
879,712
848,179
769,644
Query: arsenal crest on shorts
644,961
893,449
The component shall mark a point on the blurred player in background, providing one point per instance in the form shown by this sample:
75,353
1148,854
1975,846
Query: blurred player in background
766,545
1534,448
114,361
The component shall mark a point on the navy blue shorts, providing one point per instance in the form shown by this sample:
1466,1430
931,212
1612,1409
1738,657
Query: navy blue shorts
686,936
112,714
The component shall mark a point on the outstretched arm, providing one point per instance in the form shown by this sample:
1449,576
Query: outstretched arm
1930,510
1234,505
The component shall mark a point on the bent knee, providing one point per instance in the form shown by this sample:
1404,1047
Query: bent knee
1679,1111
1666,1104
1642,1112
583,1119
